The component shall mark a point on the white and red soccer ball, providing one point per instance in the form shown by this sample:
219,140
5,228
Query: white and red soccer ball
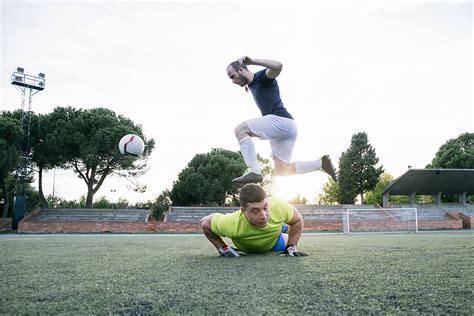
132,145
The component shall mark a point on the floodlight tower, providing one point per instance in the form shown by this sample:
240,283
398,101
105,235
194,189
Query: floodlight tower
28,86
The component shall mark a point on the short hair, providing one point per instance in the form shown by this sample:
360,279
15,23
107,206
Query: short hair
251,193
236,65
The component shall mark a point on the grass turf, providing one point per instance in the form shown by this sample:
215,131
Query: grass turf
156,274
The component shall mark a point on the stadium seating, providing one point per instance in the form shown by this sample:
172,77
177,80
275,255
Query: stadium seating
130,215
194,214
317,218
435,212
429,215
308,212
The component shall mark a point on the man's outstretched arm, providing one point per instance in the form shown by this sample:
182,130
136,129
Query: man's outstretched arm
221,246
217,241
273,67
296,227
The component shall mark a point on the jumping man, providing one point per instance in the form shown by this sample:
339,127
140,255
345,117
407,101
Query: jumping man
276,124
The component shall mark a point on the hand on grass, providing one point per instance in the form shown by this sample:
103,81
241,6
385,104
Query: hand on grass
227,251
291,251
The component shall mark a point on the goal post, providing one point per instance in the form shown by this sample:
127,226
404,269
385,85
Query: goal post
380,220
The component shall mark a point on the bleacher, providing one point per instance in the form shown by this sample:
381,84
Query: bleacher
442,206
126,215
435,212
332,212
308,212
194,214
428,215
432,214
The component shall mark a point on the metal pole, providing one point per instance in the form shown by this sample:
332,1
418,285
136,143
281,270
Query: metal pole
54,184
348,224
22,82
416,221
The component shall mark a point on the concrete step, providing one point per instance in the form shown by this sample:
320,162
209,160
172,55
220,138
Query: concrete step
91,215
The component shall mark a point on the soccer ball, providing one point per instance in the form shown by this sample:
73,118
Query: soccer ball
132,145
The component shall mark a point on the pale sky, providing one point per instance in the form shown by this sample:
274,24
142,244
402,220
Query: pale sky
400,71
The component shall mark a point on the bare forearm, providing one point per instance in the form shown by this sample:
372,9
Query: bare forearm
217,241
294,233
267,63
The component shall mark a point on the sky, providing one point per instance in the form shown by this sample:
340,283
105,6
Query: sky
401,71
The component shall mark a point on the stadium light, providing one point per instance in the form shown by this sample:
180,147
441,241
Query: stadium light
20,79
28,86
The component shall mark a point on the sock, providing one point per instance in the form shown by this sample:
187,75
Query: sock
248,152
307,166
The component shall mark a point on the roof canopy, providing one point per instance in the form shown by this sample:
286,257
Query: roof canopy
433,181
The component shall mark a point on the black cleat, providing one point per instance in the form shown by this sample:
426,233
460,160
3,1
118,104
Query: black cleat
250,177
327,166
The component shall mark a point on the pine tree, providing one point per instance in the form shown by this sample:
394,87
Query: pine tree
357,169
456,153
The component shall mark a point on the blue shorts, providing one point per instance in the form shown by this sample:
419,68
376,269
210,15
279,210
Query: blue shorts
280,244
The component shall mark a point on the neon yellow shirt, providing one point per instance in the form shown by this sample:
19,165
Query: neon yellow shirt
250,238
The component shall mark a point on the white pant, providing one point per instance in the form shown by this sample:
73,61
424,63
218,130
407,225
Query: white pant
280,131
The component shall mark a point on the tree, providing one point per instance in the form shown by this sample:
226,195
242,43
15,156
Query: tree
86,142
10,136
346,192
330,193
13,187
268,172
456,153
59,202
207,179
161,204
357,169
14,138
44,156
298,200
158,206
374,196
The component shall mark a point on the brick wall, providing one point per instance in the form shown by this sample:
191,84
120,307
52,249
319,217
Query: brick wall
102,227
467,220
331,225
444,224
392,225
180,227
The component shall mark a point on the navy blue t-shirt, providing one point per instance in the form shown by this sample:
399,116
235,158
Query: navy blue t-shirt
266,94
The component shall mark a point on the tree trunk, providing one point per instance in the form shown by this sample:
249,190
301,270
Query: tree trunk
43,202
90,195
362,198
91,190
5,198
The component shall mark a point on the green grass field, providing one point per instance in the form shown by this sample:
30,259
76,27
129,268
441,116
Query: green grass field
167,274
